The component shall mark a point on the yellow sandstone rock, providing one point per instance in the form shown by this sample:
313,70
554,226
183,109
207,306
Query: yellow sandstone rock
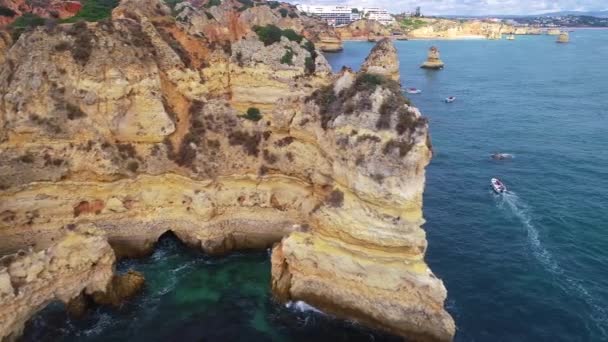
433,60
29,281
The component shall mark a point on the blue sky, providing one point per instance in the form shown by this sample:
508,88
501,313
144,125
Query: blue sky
473,7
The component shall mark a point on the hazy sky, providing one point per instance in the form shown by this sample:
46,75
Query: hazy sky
473,7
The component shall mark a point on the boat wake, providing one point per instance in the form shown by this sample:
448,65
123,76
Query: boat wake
514,205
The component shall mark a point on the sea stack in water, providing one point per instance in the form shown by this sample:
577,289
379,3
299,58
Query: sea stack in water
433,61
563,37
383,60
362,258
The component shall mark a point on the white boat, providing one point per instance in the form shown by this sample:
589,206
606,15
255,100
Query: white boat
511,37
413,91
450,99
498,186
501,156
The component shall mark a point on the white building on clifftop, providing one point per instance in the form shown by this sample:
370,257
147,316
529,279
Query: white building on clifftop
379,14
343,15
334,15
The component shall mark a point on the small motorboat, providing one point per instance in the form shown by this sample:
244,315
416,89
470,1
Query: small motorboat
413,91
501,156
450,99
498,186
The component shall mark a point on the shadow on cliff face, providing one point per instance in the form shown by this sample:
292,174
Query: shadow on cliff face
192,296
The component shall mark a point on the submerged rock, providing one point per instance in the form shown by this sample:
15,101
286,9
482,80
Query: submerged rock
433,60
121,288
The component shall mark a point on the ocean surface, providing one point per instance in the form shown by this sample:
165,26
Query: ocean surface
530,265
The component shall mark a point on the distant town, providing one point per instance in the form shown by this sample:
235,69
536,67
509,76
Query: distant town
337,15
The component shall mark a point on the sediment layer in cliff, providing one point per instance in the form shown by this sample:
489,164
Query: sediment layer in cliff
227,128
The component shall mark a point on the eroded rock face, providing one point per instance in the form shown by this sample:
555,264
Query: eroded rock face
383,60
431,28
120,288
143,124
30,281
362,29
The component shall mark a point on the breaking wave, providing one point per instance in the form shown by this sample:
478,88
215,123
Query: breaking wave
302,306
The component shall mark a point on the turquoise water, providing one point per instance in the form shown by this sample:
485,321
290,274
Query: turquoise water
528,266
193,297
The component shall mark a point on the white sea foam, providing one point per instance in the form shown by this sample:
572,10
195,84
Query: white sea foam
302,307
104,321
522,212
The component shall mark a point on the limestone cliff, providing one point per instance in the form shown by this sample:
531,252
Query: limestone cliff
233,134
454,29
362,29
30,281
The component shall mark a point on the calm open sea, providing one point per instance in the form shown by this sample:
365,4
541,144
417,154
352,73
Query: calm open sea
531,265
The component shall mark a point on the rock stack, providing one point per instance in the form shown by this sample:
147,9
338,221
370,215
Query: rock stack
563,37
433,61
383,60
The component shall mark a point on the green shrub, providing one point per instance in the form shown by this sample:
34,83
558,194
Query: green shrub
309,62
292,35
94,10
328,103
283,12
273,4
287,57
268,34
293,15
7,12
309,65
26,21
246,4
252,114
213,3
403,147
